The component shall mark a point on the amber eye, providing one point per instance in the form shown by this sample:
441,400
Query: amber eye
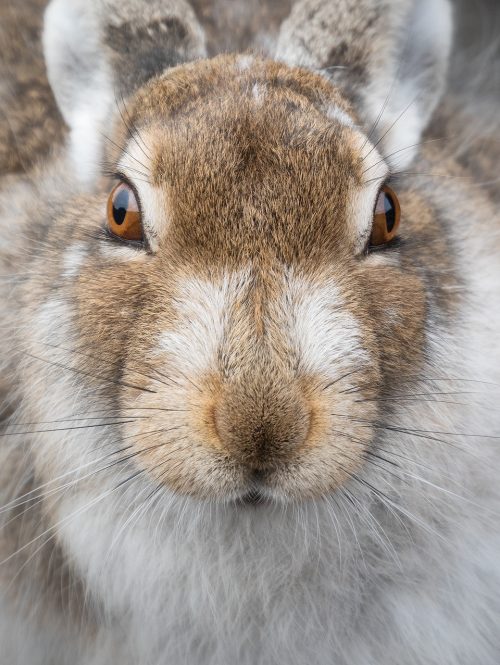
386,217
124,216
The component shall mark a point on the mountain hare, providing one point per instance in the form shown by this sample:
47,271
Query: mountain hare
250,359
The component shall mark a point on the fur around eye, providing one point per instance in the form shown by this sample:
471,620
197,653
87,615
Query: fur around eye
123,213
386,217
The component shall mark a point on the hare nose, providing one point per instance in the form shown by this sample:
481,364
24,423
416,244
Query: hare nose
262,430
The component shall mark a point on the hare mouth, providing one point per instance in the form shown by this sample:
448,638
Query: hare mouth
253,497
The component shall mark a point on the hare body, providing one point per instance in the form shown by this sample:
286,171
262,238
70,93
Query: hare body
253,344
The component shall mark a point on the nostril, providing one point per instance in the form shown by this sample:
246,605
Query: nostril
257,475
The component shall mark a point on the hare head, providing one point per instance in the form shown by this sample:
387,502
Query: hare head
239,282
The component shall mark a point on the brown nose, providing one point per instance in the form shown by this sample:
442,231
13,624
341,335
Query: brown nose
262,428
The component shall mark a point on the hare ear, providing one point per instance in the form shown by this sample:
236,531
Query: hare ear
98,52
389,58
80,78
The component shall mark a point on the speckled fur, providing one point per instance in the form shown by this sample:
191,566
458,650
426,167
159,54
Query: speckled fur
254,337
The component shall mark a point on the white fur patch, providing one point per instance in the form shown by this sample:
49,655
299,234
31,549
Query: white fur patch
79,78
200,320
52,321
73,260
334,112
121,253
325,334
258,93
245,62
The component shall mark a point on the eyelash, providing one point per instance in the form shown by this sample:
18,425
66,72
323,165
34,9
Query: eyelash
394,244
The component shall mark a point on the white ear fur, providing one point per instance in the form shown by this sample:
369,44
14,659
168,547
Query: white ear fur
80,79
99,50
391,60
414,87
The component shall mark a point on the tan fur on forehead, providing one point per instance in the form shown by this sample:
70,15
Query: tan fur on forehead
185,85
249,149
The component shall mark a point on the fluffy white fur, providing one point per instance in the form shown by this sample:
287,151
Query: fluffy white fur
335,113
199,322
327,337
311,315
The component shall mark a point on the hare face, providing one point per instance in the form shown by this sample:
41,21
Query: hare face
255,327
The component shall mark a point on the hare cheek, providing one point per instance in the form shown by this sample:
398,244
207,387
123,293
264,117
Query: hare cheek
56,388
53,323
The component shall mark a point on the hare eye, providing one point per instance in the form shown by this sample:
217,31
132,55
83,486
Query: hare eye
386,217
124,216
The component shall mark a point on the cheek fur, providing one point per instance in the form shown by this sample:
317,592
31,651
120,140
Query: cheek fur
396,310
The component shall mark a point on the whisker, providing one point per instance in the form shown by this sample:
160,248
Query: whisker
424,175
84,373
382,110
27,497
341,378
128,128
121,150
396,152
58,525
391,127
66,519
67,429
387,544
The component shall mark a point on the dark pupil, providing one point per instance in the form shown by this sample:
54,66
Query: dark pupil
390,212
120,206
